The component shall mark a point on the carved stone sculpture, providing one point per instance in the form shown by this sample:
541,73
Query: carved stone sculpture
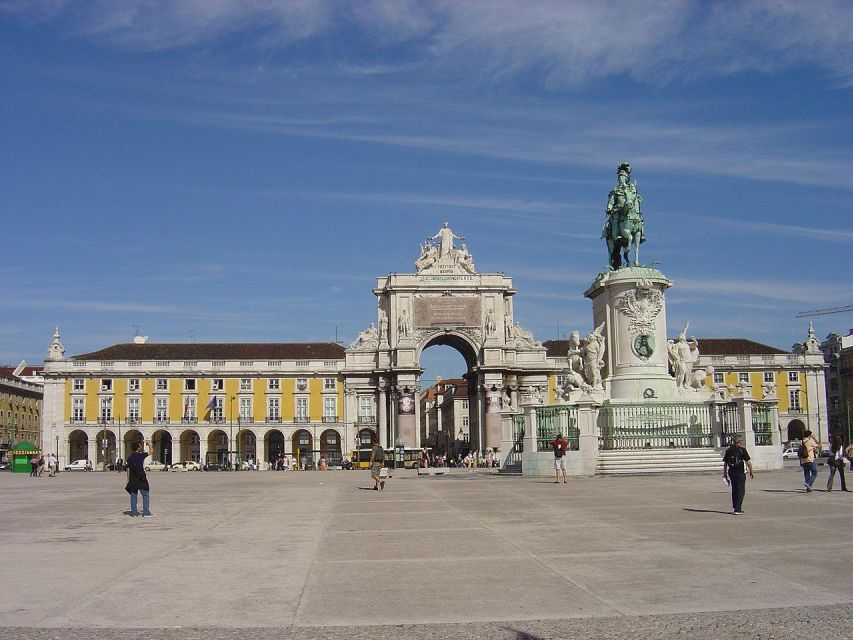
641,306
464,259
506,401
700,376
383,325
367,339
445,238
491,325
593,357
683,352
523,337
404,324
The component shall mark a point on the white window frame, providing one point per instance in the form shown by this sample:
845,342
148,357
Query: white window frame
245,409
161,384
78,410
245,384
105,408
274,384
330,407
719,377
133,407
78,384
106,384
743,376
793,376
329,384
217,384
216,410
190,408
365,407
794,400
273,408
189,384
768,376
302,408
302,384
161,409
133,384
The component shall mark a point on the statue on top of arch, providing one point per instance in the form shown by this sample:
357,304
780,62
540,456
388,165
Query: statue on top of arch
440,255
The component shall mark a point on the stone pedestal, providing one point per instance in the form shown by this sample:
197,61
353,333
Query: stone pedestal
631,304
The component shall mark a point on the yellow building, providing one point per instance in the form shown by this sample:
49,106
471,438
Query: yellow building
20,410
204,402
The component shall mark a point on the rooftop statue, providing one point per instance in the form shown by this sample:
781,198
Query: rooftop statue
439,254
624,226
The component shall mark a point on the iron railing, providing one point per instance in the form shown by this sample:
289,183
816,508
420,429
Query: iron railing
549,424
655,426
761,424
513,456
730,426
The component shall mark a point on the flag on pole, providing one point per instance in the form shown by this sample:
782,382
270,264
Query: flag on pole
212,403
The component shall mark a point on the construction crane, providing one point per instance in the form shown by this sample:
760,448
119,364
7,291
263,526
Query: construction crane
821,312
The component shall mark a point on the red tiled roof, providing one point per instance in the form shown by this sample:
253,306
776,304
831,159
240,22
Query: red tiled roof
218,351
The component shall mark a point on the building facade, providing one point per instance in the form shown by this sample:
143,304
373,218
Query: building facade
838,354
20,411
204,402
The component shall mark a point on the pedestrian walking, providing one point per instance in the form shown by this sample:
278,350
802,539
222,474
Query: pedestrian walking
377,460
734,474
137,481
34,466
807,453
51,466
41,465
836,461
559,446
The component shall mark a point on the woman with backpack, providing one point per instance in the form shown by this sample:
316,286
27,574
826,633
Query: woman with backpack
807,453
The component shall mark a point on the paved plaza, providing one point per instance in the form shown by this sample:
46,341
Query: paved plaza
466,554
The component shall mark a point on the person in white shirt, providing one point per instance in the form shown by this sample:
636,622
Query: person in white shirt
836,462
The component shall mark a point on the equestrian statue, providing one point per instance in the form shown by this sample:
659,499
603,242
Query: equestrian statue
624,226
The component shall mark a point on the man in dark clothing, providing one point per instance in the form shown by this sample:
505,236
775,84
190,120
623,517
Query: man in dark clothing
734,459
137,480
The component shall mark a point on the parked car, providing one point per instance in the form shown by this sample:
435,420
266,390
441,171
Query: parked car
823,456
216,466
5,466
790,454
153,465
77,465
189,465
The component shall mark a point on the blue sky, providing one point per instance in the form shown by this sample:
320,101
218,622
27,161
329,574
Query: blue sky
217,170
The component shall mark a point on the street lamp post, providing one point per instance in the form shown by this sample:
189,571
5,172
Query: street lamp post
230,430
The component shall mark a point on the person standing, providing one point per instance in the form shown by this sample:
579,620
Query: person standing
137,481
836,462
559,446
377,459
734,474
808,452
34,466
51,466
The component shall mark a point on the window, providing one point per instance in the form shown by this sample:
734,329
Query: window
189,384
302,409
329,384
768,376
106,412
217,384
77,410
223,440
465,421
365,407
78,384
273,384
161,410
273,409
246,409
106,384
215,407
794,400
464,404
793,376
245,384
562,379
330,409
133,410
304,439
162,384
743,377
302,384
133,384
190,408
718,378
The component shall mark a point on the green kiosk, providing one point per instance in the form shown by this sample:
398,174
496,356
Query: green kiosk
20,454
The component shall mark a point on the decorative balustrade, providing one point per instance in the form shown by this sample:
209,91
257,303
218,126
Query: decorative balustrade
761,424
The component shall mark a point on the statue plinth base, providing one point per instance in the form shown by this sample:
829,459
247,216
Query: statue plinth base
632,305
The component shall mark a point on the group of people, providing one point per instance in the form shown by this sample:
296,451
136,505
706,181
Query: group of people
38,464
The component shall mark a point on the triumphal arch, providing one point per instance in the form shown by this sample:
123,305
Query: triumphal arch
445,301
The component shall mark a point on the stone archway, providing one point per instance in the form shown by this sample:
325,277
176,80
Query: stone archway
273,445
796,429
131,436
161,443
445,302
303,449
106,449
190,447
78,445
330,447
247,445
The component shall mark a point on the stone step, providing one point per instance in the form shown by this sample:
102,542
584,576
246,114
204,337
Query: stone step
659,461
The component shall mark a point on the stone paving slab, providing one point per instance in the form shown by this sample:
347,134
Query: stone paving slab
464,554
